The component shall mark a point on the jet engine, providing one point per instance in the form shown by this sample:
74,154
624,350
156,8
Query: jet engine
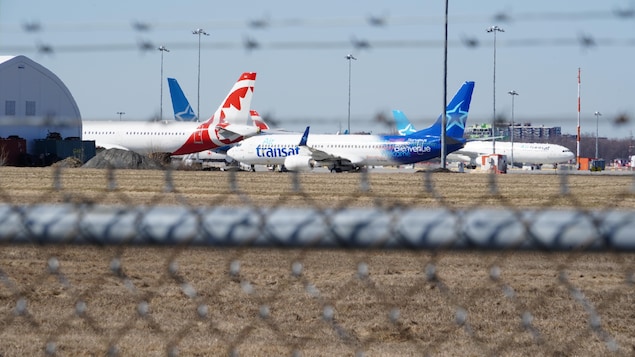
299,163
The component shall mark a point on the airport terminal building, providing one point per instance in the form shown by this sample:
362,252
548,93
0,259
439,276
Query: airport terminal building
35,105
521,132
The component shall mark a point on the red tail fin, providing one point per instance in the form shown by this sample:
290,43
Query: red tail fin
258,121
235,108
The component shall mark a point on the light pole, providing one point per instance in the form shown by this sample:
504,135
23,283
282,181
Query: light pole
444,118
199,32
494,29
349,58
120,114
513,93
597,121
162,49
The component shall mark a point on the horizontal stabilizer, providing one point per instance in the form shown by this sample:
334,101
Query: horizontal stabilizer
237,129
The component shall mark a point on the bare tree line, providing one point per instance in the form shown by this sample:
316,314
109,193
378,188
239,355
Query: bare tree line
608,149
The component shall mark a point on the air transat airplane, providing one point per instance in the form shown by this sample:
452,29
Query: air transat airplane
227,126
352,152
526,153
183,112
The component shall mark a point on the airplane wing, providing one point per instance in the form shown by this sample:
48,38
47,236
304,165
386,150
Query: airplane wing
322,156
465,155
487,138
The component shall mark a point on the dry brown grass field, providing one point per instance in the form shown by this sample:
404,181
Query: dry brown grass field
540,304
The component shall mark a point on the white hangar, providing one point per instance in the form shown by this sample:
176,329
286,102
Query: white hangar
34,102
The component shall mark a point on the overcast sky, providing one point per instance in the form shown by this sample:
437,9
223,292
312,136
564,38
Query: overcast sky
300,59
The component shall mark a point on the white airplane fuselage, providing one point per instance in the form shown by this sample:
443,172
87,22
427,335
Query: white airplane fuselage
142,137
360,150
528,153
177,138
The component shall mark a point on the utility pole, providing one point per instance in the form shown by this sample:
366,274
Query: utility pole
162,49
349,58
494,29
199,32
513,93
597,131
444,118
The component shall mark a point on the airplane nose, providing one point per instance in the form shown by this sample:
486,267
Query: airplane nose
234,153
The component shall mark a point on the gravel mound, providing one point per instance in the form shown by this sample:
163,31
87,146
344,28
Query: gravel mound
122,159
69,162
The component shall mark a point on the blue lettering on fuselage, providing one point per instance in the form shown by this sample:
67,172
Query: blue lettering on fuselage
276,152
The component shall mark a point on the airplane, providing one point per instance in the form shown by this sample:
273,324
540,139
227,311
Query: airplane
524,153
182,109
183,112
353,152
220,154
226,126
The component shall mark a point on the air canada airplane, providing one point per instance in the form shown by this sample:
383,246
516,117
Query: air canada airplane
526,153
352,152
220,154
226,126
183,112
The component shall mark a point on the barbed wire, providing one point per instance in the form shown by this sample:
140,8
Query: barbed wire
250,42
372,20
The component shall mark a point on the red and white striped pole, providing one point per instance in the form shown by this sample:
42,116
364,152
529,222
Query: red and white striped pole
578,137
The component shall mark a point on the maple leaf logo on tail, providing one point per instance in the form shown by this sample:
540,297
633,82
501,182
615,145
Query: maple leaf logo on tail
235,108
228,124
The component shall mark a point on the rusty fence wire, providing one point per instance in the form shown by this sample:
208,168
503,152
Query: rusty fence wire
83,277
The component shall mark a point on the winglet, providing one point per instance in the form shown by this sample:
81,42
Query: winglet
305,136
257,120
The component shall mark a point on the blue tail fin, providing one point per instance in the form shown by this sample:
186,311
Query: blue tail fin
305,137
182,109
456,113
404,126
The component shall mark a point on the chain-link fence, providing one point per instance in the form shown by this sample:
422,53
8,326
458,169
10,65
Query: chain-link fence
383,262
